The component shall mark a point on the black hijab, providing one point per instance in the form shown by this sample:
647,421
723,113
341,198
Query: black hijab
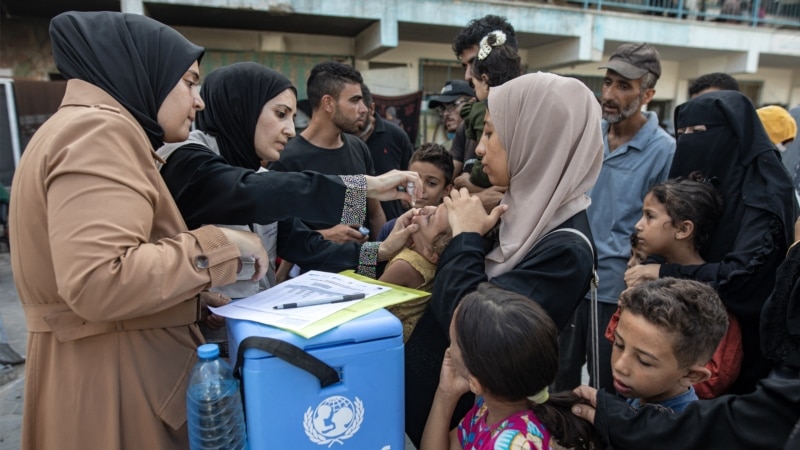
135,59
736,151
234,96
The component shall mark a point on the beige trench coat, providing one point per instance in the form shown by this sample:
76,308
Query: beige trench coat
108,276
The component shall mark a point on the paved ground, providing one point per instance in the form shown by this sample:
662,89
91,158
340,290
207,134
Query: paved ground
12,378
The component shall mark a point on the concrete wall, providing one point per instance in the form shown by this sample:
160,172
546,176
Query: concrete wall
400,80
25,48
265,41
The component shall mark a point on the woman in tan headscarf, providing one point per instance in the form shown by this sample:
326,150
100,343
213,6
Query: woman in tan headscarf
542,140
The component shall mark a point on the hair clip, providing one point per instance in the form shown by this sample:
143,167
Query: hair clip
540,397
486,48
713,181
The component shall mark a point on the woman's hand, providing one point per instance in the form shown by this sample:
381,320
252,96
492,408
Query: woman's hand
249,246
466,213
401,233
342,233
640,273
393,185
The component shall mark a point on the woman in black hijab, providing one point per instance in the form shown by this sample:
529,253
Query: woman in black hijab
135,60
216,177
720,134
107,273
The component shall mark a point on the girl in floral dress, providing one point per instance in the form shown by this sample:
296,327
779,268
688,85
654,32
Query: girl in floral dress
503,348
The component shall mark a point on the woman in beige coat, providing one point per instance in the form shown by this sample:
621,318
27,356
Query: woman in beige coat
106,271
108,274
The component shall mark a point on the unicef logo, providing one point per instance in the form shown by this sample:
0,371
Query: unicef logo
335,419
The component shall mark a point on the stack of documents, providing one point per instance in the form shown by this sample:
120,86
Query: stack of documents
317,301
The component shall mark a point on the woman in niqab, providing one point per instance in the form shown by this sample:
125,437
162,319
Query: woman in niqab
720,135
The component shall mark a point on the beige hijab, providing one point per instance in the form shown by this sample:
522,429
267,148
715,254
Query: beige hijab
550,128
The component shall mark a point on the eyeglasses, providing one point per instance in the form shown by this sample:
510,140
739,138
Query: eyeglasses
451,107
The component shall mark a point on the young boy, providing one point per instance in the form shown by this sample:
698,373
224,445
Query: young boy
668,330
434,164
415,266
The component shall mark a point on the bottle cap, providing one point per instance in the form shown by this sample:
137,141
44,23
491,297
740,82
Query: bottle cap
208,351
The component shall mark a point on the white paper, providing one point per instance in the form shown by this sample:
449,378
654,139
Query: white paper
311,285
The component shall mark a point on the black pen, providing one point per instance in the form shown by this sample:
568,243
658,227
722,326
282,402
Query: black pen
321,301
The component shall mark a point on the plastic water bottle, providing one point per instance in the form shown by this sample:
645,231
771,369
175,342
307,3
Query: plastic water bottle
214,405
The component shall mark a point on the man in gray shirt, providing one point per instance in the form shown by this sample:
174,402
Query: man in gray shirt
637,155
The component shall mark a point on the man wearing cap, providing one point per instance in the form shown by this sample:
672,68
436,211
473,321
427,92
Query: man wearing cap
637,155
455,94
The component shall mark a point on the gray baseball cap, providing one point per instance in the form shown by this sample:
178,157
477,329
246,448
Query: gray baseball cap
633,61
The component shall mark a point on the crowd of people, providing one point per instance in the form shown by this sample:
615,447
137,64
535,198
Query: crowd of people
553,233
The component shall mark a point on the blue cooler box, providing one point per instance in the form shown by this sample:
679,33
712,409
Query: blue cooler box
285,407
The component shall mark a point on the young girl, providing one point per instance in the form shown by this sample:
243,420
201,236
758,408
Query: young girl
678,217
504,348
415,265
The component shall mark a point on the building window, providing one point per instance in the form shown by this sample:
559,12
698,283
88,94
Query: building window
433,74
593,82
752,90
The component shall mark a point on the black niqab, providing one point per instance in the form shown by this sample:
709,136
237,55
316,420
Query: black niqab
135,59
736,151
234,96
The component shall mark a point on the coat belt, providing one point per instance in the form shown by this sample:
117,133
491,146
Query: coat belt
59,319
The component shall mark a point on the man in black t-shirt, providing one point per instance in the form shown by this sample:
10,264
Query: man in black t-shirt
328,144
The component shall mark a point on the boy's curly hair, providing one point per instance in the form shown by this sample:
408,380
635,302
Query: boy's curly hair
689,309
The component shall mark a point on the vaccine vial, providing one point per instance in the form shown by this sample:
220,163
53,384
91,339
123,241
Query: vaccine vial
410,189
